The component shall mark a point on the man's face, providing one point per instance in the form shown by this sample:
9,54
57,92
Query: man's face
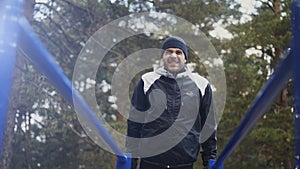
174,59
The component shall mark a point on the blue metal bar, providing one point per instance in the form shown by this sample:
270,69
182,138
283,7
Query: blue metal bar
42,59
296,61
263,100
124,162
10,12
213,162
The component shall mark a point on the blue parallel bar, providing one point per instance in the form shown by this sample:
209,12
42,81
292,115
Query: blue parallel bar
212,163
124,162
9,13
296,62
263,100
43,61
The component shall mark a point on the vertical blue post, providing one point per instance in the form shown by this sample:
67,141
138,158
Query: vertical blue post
212,163
124,162
296,63
10,12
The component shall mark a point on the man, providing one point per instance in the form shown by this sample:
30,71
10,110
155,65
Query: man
185,102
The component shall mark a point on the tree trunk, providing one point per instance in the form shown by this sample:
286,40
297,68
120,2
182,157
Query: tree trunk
283,99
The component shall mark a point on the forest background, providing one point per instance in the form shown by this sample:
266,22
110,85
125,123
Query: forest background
43,131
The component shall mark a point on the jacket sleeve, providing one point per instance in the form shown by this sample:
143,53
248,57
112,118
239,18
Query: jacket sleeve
140,102
208,117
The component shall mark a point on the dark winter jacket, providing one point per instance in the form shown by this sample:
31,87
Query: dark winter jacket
167,116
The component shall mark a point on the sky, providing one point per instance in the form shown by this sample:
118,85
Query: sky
247,8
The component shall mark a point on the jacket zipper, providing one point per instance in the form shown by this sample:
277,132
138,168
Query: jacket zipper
173,101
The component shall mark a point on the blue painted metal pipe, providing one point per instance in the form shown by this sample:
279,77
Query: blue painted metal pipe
296,62
123,162
263,100
10,12
43,61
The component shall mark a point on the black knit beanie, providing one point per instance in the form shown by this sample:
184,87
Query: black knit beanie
175,42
